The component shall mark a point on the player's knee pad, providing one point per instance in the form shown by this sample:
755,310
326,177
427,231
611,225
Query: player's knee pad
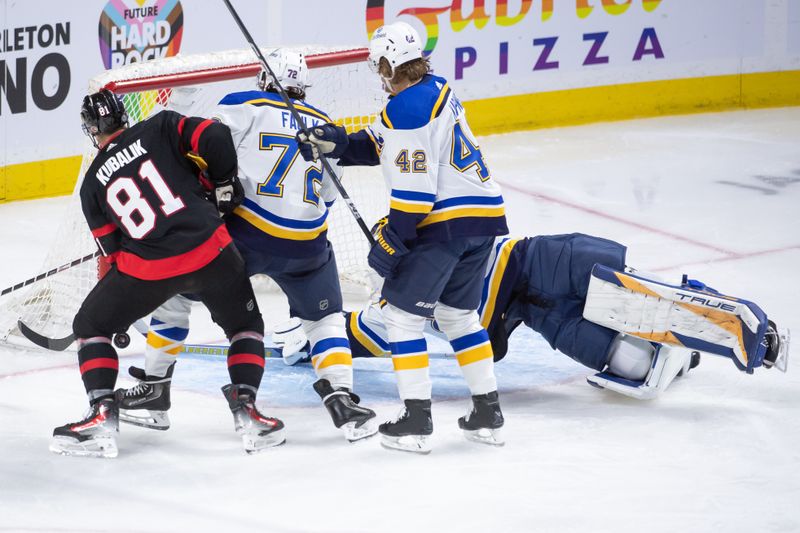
455,322
401,325
174,312
630,357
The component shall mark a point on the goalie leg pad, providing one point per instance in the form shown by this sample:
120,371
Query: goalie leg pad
690,315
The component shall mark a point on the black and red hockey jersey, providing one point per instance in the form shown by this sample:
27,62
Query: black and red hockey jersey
144,201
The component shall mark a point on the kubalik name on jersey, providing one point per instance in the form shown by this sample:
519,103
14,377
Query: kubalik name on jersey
119,160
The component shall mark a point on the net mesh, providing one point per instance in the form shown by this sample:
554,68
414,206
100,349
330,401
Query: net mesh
344,88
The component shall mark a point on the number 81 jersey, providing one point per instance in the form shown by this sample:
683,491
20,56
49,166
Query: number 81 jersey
286,198
143,199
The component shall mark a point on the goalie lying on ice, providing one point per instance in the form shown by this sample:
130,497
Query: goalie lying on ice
638,333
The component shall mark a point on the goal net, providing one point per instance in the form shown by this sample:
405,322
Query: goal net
340,84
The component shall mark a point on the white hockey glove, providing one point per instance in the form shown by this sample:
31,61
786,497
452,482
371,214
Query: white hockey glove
291,338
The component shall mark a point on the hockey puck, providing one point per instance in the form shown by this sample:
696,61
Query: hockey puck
122,340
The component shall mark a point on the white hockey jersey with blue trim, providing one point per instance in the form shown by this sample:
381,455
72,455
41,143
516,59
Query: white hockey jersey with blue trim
286,198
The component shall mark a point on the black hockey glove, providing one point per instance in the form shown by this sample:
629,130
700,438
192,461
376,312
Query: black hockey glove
328,139
228,195
387,251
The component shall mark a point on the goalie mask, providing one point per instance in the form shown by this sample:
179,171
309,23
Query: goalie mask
398,42
102,113
291,70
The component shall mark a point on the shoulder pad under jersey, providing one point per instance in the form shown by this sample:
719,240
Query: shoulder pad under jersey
417,105
260,98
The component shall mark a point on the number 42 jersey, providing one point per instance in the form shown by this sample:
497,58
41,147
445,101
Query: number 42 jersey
143,199
286,198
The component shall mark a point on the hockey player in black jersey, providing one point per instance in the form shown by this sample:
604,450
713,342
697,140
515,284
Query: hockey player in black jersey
149,213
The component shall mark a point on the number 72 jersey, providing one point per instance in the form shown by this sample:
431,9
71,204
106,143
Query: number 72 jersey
286,198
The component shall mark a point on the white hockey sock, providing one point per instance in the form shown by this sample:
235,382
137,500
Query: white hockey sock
330,350
169,327
471,345
409,353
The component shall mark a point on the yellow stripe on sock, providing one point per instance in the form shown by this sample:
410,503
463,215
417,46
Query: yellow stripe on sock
473,355
334,358
412,362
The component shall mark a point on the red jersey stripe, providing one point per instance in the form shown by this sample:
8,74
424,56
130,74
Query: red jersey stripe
198,131
177,265
102,231
245,359
100,362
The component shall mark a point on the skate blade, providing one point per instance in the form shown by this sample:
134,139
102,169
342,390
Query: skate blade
782,362
102,447
152,420
255,443
492,437
354,434
407,443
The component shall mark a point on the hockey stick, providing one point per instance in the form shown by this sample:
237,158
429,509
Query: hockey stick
300,122
57,345
49,273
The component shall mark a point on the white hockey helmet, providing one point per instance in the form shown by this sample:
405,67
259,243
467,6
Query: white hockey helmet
289,67
398,42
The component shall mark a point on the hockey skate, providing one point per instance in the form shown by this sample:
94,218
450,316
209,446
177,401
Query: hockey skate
776,343
94,436
412,429
147,403
356,422
483,422
258,432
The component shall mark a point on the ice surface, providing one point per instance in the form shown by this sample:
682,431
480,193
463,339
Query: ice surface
715,196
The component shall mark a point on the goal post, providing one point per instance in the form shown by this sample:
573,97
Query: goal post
340,84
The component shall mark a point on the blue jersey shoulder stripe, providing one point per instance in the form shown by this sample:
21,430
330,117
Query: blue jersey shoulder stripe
413,195
417,105
269,98
287,222
469,200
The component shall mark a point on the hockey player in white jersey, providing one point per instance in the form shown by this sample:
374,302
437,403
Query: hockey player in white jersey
281,230
445,211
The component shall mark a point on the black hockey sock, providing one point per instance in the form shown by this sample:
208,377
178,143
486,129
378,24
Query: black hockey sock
99,366
246,362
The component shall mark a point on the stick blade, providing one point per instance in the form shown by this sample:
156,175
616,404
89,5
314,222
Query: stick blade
57,345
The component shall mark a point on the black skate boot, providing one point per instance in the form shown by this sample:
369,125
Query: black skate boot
258,432
776,344
356,422
94,436
412,429
147,403
482,424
